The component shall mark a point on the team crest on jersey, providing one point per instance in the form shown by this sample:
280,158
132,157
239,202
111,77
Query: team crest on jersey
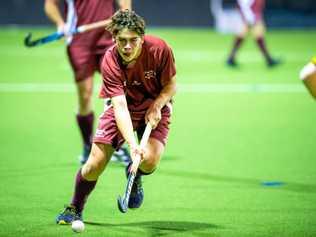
136,83
151,74
99,133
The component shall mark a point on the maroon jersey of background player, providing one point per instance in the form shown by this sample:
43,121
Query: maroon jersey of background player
81,12
86,50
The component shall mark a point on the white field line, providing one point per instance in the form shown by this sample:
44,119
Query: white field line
182,88
241,88
37,87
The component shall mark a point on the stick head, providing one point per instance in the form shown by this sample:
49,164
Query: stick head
27,40
122,206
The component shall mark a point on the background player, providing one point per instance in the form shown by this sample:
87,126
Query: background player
84,53
139,77
308,76
252,16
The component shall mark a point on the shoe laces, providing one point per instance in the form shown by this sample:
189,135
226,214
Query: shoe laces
70,210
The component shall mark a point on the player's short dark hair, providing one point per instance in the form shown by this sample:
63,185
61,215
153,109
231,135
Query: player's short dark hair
126,19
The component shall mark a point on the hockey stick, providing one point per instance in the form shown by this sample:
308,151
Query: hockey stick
29,42
122,202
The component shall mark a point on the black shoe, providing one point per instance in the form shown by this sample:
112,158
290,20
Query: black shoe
273,62
231,62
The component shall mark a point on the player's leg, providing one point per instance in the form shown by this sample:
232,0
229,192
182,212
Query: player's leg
258,31
85,182
83,65
308,76
84,91
238,40
107,133
85,116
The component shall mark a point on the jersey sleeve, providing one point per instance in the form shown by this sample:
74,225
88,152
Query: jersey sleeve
167,67
112,78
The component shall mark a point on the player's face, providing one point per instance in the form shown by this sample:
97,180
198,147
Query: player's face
129,44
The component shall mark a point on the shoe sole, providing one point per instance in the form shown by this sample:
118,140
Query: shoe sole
62,222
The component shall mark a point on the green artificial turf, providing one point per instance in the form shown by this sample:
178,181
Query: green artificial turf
232,129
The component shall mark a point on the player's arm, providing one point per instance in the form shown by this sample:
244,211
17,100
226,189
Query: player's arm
153,114
53,12
123,120
125,4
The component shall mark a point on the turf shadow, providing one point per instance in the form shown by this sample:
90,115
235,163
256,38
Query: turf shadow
160,228
286,186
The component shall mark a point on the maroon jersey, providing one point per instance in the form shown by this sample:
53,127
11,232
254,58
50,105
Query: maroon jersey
81,12
142,83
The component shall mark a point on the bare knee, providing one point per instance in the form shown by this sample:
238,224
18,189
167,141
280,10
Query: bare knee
258,30
152,155
85,90
243,32
97,161
308,71
85,100
150,163
308,76
91,171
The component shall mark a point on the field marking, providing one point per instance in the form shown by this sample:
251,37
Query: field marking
182,88
37,87
242,88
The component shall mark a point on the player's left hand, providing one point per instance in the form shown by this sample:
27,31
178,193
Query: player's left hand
136,151
153,115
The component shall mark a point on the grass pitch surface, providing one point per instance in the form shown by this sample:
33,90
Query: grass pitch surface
231,130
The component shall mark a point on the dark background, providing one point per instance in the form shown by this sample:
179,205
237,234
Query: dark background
279,13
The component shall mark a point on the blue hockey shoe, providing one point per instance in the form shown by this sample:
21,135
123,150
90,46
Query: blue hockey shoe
68,215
